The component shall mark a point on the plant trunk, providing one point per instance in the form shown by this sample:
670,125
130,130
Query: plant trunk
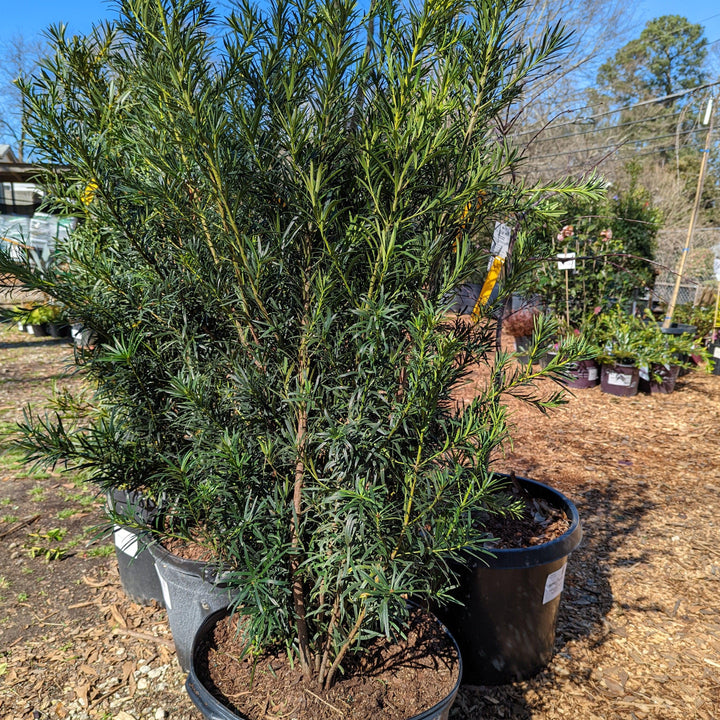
298,592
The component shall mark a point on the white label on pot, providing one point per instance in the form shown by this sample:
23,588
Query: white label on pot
592,373
620,379
166,592
554,584
126,541
716,351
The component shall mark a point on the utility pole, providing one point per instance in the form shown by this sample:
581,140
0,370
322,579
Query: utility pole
709,117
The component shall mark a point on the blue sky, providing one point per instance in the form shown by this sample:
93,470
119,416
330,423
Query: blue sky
30,20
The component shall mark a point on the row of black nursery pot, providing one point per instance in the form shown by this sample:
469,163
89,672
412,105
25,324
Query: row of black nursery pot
47,329
504,629
76,333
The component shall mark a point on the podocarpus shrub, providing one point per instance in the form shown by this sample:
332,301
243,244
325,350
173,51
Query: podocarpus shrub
276,209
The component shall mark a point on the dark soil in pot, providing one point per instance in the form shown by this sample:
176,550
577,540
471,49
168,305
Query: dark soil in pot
416,678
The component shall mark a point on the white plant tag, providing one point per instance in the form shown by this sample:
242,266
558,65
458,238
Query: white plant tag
619,379
566,261
554,584
501,240
126,541
166,592
716,351
592,373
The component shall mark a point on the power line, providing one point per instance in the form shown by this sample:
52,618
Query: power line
632,106
605,128
616,145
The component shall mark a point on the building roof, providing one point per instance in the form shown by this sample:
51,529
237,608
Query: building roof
6,154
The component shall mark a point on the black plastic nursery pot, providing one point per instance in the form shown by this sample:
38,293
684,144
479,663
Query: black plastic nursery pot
191,590
465,298
136,565
714,350
212,709
583,374
619,379
38,330
680,329
506,625
59,330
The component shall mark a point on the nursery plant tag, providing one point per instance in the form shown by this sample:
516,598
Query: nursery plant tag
619,379
566,261
166,592
716,352
501,240
554,584
716,268
126,541
592,374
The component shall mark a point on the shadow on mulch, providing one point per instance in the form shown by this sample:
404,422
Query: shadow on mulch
39,342
607,517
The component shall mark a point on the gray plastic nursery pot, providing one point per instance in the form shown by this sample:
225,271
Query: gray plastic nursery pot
506,625
136,565
212,709
465,298
191,590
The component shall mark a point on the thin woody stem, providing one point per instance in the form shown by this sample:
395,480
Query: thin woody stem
343,650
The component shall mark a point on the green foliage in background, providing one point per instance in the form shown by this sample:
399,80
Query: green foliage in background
613,266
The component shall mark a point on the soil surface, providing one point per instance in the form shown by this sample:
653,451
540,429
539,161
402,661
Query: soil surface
392,680
639,629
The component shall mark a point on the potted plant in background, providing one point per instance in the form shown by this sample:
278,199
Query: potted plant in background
618,337
267,265
521,325
37,319
664,356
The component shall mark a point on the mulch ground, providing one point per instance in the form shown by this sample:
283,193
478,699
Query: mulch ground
639,629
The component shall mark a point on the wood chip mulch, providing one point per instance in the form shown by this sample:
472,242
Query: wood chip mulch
639,628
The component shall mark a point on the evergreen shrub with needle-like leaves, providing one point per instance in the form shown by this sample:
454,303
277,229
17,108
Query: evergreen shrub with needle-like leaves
275,208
